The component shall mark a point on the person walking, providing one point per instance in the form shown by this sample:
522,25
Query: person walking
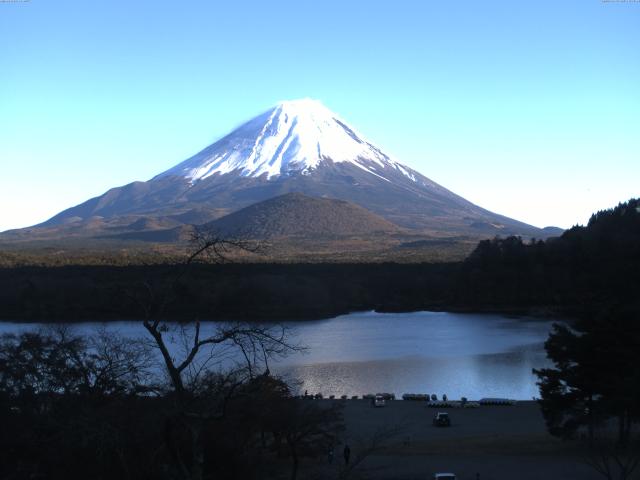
330,454
347,454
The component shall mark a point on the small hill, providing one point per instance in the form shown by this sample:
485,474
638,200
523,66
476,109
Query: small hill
295,214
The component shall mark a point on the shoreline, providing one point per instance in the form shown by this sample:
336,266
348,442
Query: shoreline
534,313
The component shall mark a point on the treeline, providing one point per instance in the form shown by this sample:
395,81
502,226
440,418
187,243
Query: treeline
584,269
226,291
592,392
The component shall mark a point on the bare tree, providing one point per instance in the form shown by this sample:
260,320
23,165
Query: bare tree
200,395
56,361
256,344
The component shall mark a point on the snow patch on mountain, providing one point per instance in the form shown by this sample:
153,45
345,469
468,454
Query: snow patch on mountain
293,137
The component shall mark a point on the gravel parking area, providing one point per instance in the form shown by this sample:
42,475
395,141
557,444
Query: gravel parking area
489,443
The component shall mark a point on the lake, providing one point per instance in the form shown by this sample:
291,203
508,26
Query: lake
458,354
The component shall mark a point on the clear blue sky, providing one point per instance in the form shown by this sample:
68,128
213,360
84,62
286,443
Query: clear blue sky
530,109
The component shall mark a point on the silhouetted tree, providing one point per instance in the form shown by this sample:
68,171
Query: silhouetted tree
69,405
594,376
60,362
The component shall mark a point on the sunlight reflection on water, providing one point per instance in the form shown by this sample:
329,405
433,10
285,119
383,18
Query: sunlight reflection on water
470,355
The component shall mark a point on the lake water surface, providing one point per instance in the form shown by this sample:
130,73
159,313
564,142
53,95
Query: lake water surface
472,355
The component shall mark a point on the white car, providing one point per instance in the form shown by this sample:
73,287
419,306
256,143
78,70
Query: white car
444,476
379,401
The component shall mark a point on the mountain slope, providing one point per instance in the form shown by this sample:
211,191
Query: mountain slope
297,146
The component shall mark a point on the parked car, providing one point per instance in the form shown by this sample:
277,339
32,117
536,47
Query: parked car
444,476
379,401
441,420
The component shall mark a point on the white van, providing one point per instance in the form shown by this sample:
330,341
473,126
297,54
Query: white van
444,476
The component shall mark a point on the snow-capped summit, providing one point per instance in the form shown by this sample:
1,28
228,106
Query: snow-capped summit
292,137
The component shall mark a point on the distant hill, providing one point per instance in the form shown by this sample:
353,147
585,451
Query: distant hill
295,214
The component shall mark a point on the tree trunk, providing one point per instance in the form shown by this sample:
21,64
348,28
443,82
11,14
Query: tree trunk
294,458
625,428
197,458
620,428
174,373
173,448
628,427
277,439
623,431
591,427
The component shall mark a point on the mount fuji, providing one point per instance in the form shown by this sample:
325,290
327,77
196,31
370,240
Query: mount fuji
297,146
